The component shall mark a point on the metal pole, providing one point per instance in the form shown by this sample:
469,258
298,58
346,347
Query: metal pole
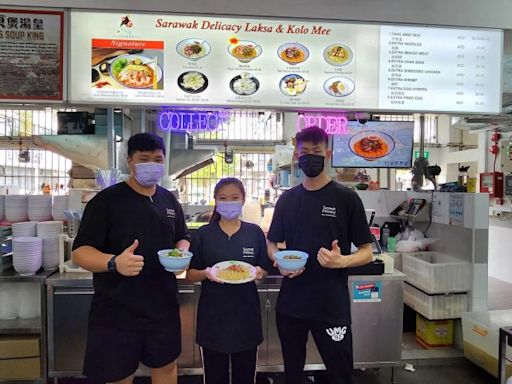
111,141
166,180
142,121
422,136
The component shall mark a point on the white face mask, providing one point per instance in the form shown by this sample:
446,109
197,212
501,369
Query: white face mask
148,174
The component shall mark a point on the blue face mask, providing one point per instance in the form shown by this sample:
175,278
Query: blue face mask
148,174
229,209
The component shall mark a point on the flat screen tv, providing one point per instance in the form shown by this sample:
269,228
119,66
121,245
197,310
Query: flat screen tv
375,144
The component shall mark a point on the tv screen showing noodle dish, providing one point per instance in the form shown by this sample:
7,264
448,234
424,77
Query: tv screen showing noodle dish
375,144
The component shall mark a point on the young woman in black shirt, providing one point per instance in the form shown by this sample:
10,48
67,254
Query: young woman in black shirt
229,327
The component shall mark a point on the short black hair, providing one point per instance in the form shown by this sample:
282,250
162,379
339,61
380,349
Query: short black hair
145,142
313,134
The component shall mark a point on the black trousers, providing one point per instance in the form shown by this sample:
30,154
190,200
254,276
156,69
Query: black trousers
216,366
334,343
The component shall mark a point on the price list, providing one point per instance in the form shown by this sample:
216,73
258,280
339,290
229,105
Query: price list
440,69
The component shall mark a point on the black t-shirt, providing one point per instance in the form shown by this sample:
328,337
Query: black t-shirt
307,221
111,222
228,315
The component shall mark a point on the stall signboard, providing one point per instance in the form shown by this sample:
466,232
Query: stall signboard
157,59
31,55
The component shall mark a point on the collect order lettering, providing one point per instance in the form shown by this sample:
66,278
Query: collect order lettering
246,27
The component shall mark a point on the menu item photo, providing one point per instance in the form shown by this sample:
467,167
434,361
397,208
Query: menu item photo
338,55
192,82
339,86
244,84
293,85
243,50
375,144
293,53
193,49
116,68
371,145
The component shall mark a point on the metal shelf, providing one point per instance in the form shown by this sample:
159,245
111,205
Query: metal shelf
23,381
11,276
20,326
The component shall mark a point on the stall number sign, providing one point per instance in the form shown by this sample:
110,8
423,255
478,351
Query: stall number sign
367,291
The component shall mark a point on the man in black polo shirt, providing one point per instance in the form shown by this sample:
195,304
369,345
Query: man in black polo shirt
134,314
322,218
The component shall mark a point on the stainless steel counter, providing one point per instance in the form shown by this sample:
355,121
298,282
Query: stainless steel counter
376,324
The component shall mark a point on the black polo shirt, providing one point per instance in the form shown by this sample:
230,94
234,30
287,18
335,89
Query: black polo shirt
307,221
112,220
228,315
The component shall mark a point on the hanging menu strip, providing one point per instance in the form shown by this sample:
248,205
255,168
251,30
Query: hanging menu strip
439,69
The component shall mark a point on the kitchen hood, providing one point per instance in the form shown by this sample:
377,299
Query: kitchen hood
90,151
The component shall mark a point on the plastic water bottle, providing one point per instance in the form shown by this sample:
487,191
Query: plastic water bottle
385,235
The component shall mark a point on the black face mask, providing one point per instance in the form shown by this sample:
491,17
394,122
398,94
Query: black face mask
312,165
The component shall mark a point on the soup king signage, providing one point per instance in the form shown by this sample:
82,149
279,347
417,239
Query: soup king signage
332,124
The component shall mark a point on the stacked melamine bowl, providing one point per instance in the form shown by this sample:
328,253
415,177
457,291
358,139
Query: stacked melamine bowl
16,208
24,229
49,232
40,207
60,204
27,255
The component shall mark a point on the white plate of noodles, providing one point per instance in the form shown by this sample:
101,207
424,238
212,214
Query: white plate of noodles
234,272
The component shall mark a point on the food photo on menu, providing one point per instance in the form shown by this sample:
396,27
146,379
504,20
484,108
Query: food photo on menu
115,68
374,144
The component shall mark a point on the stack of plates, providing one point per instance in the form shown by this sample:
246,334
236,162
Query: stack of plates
2,207
40,208
49,232
60,204
8,301
27,255
16,208
29,305
24,229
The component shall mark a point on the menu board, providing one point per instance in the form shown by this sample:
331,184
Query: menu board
31,46
294,65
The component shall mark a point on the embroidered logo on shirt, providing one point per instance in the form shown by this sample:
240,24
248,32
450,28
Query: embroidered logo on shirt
328,211
337,333
171,213
248,252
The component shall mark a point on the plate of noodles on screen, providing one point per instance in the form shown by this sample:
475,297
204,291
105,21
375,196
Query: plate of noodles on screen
234,272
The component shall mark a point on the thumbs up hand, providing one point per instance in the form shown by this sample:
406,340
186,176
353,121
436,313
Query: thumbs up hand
331,258
128,263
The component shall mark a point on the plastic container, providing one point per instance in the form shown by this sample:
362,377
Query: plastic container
481,338
435,307
435,272
434,333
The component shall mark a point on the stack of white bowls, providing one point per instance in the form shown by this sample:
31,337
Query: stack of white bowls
16,208
49,232
24,229
29,300
8,301
2,207
60,204
40,207
27,255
